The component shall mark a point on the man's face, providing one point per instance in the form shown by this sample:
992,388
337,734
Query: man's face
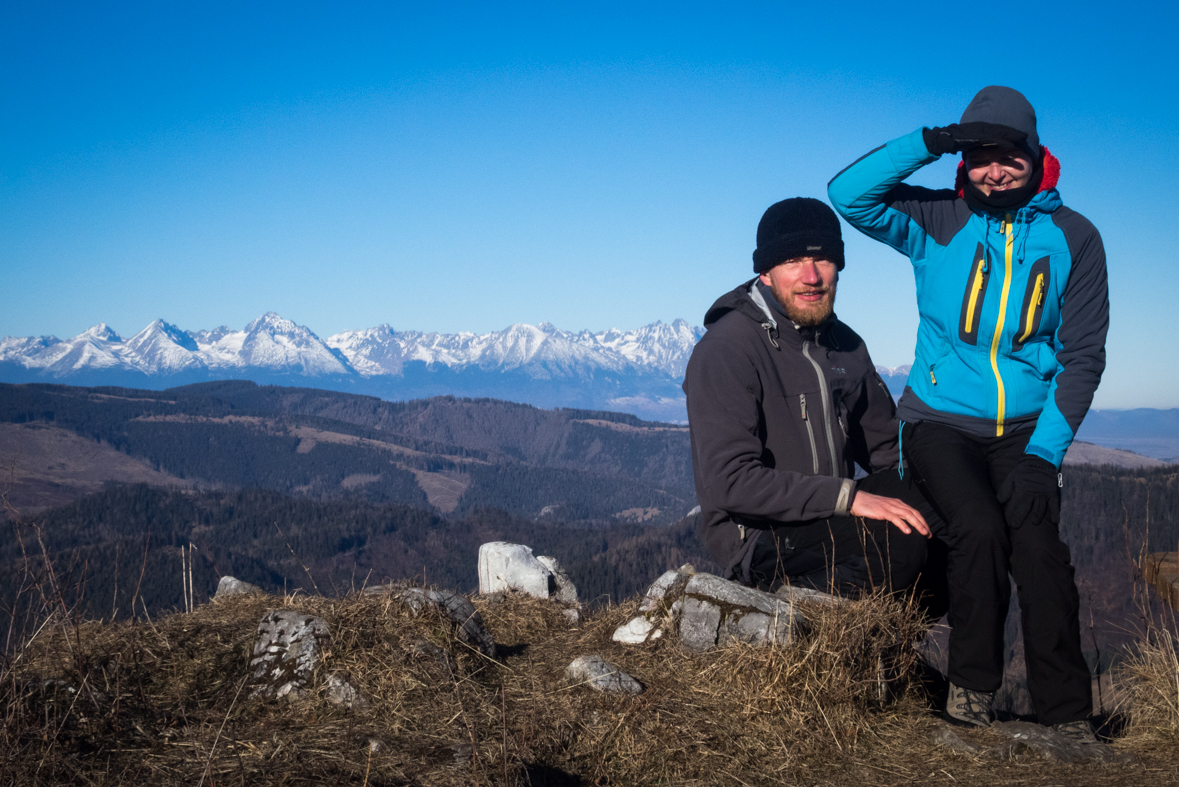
805,287
992,169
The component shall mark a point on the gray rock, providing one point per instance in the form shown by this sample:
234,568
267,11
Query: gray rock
716,611
566,591
1049,744
670,586
459,609
504,566
341,692
232,586
286,653
507,567
572,615
599,674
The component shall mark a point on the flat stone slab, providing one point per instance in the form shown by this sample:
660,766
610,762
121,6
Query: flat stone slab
286,653
601,675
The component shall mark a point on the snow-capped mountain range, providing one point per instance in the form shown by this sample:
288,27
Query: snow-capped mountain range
637,371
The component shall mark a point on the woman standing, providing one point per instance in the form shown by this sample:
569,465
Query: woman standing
1011,288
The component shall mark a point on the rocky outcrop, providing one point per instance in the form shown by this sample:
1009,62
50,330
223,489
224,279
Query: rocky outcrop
709,611
512,567
286,654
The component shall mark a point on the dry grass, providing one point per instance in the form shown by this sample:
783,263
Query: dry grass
162,703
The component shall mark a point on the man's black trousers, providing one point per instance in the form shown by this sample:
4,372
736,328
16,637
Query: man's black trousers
847,555
960,473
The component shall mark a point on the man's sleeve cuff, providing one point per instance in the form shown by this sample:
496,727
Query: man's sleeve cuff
847,492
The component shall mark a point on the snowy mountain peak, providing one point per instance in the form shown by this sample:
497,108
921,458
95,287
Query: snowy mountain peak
102,332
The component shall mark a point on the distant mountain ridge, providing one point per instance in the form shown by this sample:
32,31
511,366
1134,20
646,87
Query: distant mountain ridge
637,371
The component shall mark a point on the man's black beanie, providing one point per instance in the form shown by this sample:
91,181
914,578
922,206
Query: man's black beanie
797,227
1006,106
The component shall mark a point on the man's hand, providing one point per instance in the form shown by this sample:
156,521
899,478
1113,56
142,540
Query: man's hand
956,138
889,509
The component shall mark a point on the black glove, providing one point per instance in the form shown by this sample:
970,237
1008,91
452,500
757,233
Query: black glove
1031,493
955,138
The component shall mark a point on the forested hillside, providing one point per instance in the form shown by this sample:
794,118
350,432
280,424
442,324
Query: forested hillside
452,455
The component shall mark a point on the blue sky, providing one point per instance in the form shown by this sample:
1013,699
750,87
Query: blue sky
464,167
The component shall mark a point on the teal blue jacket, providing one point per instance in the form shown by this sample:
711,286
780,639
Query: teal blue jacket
1014,308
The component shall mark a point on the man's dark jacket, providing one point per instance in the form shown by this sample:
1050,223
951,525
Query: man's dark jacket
779,416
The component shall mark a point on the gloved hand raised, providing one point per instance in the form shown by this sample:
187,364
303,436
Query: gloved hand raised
955,137
1031,493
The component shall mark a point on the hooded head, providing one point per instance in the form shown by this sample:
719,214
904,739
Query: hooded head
1006,106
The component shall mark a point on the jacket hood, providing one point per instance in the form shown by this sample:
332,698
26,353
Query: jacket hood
739,299
1051,175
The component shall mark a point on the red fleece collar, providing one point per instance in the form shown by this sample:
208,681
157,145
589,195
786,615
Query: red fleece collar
1051,174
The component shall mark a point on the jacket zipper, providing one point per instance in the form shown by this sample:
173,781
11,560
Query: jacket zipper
1036,300
827,408
810,432
975,291
1008,248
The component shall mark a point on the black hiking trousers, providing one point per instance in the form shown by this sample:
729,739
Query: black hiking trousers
848,556
960,473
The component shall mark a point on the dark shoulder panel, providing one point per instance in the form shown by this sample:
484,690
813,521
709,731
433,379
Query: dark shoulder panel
1077,229
939,212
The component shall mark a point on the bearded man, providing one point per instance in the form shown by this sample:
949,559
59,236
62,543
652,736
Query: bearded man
783,403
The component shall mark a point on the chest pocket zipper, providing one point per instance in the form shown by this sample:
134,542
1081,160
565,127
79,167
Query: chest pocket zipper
972,300
1033,302
810,432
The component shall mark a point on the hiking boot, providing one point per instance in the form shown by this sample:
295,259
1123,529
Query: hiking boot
1076,731
969,708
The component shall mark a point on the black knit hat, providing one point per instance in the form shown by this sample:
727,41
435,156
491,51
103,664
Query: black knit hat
1006,106
797,227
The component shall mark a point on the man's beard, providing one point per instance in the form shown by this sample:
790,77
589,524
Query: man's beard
803,314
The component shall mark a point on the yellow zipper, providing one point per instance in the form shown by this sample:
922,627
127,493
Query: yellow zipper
975,289
1007,251
1033,304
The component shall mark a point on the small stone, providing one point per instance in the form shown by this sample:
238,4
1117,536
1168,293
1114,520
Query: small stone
341,692
635,632
601,675
572,615
669,585
497,598
375,745
461,752
232,586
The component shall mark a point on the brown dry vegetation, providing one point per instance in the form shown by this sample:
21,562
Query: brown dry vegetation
164,702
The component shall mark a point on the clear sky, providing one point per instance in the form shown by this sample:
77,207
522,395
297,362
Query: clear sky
464,167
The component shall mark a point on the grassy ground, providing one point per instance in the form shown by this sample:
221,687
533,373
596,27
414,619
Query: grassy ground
164,702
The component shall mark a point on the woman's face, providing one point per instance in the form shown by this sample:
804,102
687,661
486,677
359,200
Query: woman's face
993,169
